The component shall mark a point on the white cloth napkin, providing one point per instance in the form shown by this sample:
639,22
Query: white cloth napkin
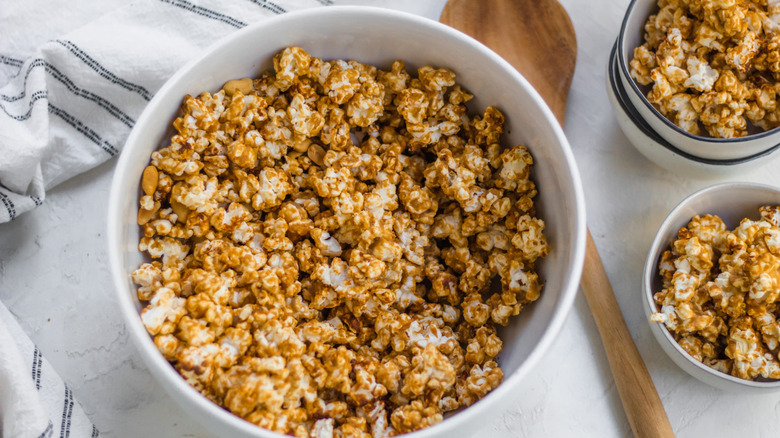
68,105
34,402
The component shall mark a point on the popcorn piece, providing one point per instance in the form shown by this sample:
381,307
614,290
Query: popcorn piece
304,120
480,381
290,64
702,76
365,107
274,186
164,311
149,278
327,244
415,416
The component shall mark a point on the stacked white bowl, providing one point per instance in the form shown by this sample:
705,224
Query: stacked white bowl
659,139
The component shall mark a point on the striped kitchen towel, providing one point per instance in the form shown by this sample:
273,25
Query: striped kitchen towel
34,402
68,104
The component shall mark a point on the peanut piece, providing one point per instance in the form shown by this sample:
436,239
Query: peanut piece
316,154
145,216
242,85
149,180
303,145
180,210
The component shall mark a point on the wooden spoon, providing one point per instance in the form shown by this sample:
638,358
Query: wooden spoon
537,38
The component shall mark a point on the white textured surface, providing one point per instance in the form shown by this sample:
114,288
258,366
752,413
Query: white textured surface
54,279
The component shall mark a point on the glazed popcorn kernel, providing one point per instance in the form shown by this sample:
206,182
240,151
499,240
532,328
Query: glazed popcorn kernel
713,65
333,246
720,294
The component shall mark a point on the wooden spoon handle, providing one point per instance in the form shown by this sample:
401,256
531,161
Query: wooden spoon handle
640,400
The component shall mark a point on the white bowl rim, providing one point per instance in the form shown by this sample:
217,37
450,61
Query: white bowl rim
642,125
153,357
655,251
624,71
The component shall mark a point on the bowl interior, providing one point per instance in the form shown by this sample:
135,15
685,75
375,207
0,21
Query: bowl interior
732,202
376,37
633,28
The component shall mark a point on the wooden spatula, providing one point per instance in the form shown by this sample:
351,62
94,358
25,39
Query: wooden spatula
537,38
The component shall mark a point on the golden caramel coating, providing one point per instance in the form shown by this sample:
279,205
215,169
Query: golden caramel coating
713,65
720,294
333,246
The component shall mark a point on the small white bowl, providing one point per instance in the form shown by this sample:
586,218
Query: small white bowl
655,148
732,202
375,36
631,36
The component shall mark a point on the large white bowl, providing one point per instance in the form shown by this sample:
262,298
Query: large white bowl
375,36
732,202
709,148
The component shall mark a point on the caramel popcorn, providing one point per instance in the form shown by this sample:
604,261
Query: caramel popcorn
332,247
720,294
713,65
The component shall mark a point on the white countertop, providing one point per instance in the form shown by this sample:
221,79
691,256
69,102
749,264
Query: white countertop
54,278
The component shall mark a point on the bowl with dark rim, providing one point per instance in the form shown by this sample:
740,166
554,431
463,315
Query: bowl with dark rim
758,147
659,150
